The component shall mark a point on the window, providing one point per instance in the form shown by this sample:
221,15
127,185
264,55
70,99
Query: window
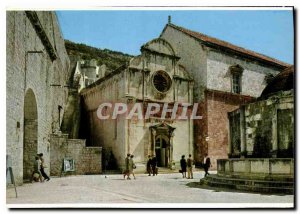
236,83
236,78
161,81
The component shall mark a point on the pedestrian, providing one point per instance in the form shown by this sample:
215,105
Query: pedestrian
154,165
183,166
126,170
190,163
149,165
43,166
206,164
36,174
131,166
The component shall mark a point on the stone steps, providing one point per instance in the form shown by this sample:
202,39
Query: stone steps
259,177
252,185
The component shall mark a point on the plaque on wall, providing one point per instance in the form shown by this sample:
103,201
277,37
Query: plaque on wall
69,165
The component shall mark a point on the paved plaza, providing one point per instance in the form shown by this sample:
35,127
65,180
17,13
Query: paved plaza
164,188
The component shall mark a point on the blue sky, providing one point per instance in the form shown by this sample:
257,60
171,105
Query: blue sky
269,32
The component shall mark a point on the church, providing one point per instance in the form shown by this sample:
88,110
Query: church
155,76
181,66
225,77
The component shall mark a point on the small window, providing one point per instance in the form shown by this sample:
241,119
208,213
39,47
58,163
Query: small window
236,83
236,78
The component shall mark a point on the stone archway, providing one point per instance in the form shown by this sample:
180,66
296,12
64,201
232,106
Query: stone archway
30,141
162,144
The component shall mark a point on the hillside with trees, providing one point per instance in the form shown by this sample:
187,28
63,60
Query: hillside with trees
112,59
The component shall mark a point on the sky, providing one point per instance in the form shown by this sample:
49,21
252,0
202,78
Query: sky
269,32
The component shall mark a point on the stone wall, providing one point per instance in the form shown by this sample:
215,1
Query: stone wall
109,134
264,124
31,67
251,167
219,77
214,141
71,118
193,56
87,159
268,127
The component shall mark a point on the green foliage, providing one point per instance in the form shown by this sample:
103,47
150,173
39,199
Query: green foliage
112,59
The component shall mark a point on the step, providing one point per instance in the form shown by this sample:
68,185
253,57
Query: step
253,182
286,190
254,185
279,177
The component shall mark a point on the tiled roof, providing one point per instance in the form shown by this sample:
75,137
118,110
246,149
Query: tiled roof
284,81
229,46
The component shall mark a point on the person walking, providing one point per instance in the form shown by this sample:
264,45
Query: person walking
43,166
154,165
36,170
206,164
183,166
131,166
149,165
126,170
190,163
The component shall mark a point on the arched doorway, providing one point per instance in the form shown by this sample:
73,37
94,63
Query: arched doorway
30,142
162,146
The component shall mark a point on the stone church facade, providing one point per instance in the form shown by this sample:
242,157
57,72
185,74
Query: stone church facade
225,76
155,76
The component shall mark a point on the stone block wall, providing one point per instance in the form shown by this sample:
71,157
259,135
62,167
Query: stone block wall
271,123
213,129
87,159
219,77
30,150
30,67
257,167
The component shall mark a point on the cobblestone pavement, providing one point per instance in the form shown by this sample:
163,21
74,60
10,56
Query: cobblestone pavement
166,188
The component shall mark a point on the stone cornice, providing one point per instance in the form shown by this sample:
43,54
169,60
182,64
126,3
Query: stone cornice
34,19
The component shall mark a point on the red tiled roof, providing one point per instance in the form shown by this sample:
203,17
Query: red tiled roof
228,45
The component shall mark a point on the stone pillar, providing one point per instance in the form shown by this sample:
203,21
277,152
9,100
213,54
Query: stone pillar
229,136
126,77
274,134
243,132
171,150
153,142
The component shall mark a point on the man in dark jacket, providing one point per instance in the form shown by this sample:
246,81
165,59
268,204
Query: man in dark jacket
206,164
154,165
183,166
149,165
